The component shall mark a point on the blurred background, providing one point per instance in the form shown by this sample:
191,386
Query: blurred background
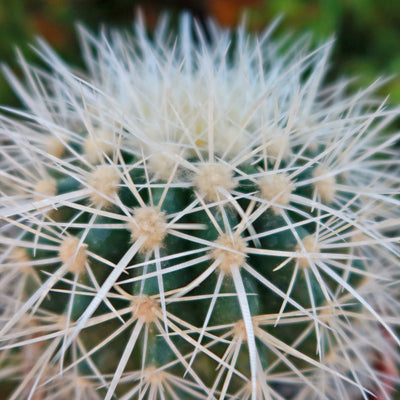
367,31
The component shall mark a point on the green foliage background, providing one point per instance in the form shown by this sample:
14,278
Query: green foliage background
367,34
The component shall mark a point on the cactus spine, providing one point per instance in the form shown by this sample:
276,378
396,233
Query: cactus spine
197,219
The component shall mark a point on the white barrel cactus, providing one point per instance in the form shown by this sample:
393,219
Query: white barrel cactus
197,216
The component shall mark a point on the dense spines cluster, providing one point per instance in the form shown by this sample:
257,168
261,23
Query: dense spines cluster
197,219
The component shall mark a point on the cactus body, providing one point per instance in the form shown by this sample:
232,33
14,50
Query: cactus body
197,219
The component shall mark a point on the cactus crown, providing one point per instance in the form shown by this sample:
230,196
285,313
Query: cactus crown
197,219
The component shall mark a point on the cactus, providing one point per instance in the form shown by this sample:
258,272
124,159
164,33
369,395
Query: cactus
197,217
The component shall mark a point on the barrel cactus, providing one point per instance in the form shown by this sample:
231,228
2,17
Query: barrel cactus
197,216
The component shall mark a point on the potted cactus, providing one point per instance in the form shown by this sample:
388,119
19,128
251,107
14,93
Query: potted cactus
197,217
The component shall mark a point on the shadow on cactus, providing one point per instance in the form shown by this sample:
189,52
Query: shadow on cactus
197,217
